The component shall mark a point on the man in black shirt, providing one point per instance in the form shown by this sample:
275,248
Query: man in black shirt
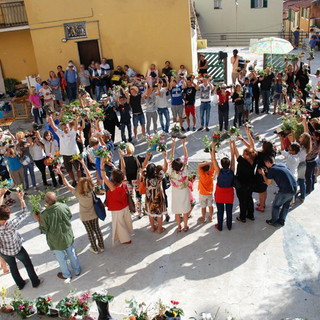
110,120
189,96
265,87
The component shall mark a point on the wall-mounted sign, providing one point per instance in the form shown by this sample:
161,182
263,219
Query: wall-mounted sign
75,30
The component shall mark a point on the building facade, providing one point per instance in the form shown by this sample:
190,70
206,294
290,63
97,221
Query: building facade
234,22
133,32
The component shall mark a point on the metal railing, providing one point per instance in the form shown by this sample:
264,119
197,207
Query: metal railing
13,14
243,38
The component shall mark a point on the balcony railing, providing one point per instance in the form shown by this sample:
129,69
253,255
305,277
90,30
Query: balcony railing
13,14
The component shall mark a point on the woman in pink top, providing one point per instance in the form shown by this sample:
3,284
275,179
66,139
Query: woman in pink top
36,109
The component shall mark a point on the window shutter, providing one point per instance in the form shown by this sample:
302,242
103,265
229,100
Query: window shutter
252,4
265,3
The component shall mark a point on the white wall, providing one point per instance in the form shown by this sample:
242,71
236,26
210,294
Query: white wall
241,18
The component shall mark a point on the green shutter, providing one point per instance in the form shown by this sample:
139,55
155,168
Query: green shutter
252,4
265,3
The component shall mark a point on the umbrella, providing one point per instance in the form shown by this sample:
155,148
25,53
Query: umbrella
271,45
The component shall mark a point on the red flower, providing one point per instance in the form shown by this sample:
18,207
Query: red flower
174,302
49,299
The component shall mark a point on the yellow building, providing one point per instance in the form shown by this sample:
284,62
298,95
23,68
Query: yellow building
133,32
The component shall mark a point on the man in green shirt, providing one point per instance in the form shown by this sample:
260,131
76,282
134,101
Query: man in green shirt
55,223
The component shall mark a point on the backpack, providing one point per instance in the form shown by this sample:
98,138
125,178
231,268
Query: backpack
225,178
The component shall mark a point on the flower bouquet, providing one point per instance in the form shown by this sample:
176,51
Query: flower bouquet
67,306
162,146
6,142
234,131
4,307
43,305
76,157
122,146
261,73
216,138
65,119
176,132
16,188
102,153
5,183
35,202
309,87
207,144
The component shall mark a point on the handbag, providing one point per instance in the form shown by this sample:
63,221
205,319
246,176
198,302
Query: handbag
99,208
142,187
132,206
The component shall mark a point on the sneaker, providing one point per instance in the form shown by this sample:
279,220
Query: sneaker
167,218
200,129
216,226
93,251
207,129
194,128
101,249
183,129
269,222
188,129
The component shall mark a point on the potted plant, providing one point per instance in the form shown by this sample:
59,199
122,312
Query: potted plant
26,309
4,307
83,305
67,307
102,300
138,311
153,142
43,305
35,202
122,146
10,84
174,312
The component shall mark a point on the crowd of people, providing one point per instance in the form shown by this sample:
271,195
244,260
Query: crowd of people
127,100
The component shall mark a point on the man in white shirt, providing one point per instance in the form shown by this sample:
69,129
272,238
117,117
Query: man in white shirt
68,147
129,71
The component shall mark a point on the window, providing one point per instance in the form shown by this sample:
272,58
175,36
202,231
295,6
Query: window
259,4
217,4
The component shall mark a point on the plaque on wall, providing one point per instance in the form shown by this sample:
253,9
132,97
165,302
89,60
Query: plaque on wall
75,30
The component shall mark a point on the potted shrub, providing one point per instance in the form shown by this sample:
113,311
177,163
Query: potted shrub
4,307
102,300
43,305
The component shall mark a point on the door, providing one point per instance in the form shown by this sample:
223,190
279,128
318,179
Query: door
88,51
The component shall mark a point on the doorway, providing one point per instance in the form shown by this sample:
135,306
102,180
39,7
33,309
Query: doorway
88,51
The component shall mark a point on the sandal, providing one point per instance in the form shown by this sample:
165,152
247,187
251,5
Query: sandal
261,209
162,230
201,219
179,229
185,229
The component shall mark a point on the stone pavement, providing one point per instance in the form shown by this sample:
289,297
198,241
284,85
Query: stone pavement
254,272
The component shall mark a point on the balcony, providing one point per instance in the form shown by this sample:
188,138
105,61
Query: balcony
12,14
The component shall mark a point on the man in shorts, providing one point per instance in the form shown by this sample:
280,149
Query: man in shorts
176,92
189,95
68,148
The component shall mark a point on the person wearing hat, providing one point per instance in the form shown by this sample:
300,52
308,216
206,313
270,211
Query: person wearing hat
134,100
110,121
71,78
